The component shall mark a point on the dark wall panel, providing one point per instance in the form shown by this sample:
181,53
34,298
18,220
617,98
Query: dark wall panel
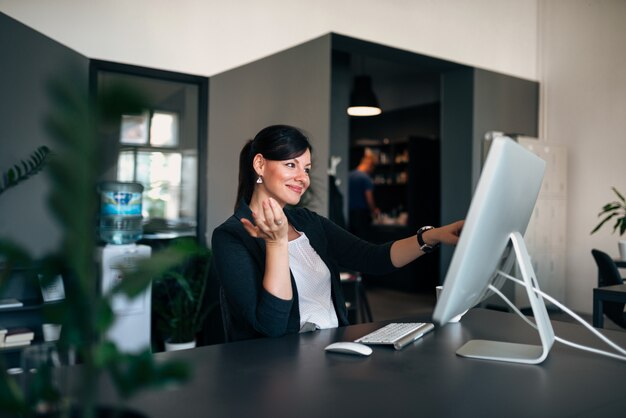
456,150
505,104
291,87
475,102
29,61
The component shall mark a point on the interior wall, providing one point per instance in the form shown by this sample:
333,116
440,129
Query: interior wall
217,36
581,62
24,104
457,95
270,91
505,104
340,124
574,47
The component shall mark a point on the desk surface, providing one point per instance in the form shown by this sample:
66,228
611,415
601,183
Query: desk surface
293,377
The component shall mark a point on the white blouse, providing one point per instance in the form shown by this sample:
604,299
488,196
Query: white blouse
312,279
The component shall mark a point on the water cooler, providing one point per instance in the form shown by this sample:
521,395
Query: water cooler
120,227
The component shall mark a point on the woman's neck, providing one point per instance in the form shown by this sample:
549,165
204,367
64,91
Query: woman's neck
256,201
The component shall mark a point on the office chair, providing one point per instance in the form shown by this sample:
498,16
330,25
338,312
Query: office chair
234,328
226,317
609,275
356,298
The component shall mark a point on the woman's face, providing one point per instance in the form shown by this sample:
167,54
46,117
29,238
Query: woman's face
286,180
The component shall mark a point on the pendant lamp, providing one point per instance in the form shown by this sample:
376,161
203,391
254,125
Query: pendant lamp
363,101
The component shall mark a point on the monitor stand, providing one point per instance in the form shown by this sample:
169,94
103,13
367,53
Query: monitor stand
513,352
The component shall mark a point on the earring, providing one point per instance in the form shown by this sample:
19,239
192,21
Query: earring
259,180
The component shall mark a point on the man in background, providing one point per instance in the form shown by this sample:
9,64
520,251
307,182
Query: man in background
363,209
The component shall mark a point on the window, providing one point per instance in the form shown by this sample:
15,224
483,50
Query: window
156,162
163,147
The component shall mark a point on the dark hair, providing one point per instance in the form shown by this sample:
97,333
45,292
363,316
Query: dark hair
277,143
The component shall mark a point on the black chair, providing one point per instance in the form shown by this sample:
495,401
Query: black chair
234,327
226,318
608,275
356,298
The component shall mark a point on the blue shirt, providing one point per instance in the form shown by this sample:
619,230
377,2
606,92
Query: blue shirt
358,183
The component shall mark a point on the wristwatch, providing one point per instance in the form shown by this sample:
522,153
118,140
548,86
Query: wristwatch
426,248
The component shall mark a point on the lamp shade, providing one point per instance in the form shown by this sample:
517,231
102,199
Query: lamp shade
363,101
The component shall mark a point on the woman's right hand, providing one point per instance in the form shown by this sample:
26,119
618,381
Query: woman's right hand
270,225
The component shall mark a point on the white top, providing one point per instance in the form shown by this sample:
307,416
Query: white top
313,281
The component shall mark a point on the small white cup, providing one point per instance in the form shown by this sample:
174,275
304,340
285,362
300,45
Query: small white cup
622,249
456,318
51,332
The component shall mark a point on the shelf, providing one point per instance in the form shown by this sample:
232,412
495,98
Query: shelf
29,305
17,349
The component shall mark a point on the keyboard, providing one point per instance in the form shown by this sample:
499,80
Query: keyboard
398,334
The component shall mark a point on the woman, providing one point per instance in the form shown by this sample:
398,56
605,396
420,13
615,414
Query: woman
279,267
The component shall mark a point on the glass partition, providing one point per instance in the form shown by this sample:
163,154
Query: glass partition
162,147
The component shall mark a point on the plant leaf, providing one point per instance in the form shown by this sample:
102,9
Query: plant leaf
25,168
609,207
611,216
619,195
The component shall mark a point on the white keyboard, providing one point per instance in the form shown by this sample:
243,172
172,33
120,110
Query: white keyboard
398,334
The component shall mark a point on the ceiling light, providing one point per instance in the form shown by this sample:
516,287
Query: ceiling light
363,101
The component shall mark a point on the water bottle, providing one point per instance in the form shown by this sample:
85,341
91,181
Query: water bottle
120,212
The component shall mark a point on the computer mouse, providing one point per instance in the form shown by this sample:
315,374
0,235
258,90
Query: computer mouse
347,347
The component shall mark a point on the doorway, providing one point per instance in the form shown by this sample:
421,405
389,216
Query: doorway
405,138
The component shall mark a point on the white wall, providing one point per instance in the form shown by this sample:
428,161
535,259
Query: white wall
581,68
210,36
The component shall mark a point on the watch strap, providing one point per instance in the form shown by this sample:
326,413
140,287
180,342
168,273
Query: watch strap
426,248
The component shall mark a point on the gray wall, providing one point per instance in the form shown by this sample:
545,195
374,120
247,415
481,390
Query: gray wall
456,150
340,122
505,104
291,87
29,61
475,102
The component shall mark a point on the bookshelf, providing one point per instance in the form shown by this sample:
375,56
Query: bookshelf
23,286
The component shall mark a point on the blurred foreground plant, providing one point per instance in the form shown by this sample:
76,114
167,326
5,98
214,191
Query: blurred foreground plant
85,313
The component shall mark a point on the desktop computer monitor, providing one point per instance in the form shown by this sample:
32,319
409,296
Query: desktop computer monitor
492,241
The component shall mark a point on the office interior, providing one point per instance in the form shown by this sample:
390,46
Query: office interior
549,70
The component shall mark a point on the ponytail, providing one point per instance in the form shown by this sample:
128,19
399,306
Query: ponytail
246,175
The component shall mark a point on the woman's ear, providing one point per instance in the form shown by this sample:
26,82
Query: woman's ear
258,162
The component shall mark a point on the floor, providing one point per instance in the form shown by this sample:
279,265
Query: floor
389,304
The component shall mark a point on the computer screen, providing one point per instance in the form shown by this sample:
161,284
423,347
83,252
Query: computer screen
492,240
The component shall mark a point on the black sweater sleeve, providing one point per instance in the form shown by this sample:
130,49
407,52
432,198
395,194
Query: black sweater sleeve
240,264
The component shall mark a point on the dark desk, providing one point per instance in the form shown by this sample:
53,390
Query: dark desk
615,293
620,263
293,377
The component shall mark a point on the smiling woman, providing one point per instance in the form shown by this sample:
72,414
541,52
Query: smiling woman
278,264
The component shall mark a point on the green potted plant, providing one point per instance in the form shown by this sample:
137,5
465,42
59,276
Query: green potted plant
179,299
615,210
85,313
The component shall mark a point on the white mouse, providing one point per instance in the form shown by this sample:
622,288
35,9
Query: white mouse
349,348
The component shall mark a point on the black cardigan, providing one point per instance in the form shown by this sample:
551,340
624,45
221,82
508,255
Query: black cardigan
240,264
